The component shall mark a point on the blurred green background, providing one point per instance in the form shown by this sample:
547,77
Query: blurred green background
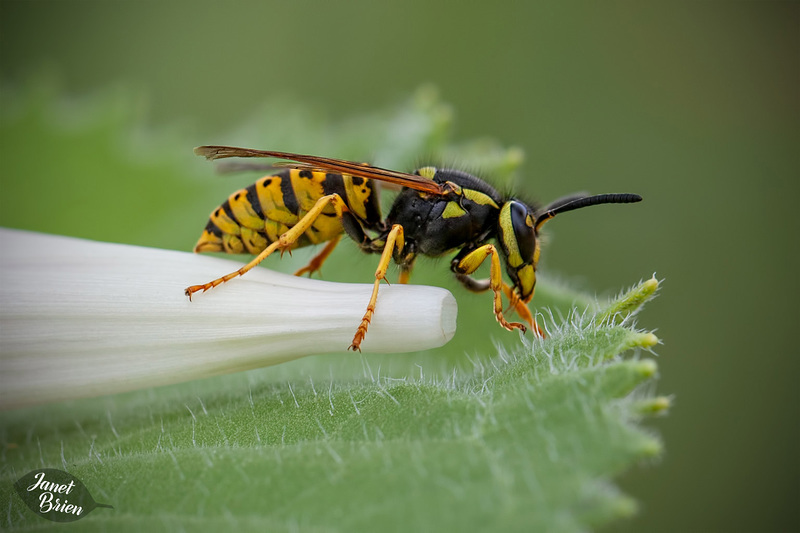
696,106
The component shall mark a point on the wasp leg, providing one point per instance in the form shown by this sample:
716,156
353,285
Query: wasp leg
522,310
518,305
394,240
284,241
316,263
472,284
470,263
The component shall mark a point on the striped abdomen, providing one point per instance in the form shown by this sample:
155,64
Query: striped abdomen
253,217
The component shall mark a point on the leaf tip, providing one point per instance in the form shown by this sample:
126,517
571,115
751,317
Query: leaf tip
654,406
650,448
637,339
650,286
630,302
646,368
647,340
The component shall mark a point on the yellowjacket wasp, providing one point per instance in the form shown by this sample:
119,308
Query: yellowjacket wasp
316,199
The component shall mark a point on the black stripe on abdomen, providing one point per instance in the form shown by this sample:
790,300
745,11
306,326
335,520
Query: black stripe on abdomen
252,198
226,206
213,229
287,192
334,184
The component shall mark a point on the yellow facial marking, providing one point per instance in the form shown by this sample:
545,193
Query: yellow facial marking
508,238
527,280
453,210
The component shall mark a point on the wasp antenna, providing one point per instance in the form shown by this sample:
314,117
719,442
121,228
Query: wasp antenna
571,203
564,200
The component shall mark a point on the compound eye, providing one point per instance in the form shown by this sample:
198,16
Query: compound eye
522,223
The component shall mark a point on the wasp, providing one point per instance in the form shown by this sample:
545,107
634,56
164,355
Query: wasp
314,200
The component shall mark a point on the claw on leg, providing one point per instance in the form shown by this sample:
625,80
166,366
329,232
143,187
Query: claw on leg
211,284
522,310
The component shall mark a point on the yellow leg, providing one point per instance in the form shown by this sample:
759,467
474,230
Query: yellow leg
285,241
394,239
470,264
522,310
316,263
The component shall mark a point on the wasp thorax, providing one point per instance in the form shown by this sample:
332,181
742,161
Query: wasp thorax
517,234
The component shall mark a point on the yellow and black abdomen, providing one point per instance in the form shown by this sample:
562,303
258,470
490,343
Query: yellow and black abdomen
253,217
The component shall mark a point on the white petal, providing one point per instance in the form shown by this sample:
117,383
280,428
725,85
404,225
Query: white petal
81,318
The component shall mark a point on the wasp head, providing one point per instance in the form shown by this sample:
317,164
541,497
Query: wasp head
518,238
519,233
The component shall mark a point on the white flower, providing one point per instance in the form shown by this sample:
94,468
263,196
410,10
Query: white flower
81,318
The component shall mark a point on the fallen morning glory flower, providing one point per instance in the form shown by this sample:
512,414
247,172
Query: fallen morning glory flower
81,318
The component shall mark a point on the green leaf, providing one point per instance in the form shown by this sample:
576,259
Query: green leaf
495,431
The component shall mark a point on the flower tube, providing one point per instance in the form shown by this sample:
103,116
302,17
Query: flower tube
81,318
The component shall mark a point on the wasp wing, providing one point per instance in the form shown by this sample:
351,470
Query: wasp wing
326,164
